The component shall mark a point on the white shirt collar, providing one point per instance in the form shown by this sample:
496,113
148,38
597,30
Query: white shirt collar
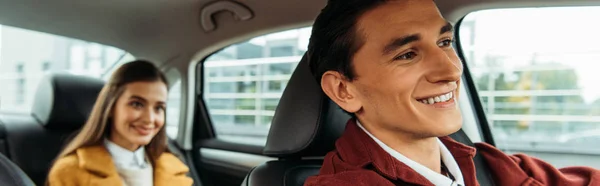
432,176
124,158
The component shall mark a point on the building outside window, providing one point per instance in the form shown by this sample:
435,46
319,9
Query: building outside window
26,56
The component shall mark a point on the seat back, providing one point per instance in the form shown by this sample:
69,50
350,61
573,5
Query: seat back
11,174
3,145
283,173
305,125
61,106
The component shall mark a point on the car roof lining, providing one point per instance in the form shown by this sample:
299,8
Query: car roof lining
170,31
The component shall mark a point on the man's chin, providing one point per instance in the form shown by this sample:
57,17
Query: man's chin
446,129
445,124
451,128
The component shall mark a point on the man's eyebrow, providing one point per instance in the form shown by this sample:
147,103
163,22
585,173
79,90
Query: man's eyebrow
447,28
161,103
399,42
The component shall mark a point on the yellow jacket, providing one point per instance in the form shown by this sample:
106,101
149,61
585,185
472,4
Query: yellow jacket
94,166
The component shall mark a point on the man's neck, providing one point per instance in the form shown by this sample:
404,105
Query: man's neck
425,151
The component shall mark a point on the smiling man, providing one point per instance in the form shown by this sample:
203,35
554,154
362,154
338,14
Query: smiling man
392,65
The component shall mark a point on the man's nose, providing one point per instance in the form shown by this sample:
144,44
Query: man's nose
444,67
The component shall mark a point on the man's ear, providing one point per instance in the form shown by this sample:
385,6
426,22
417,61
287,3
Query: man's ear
339,89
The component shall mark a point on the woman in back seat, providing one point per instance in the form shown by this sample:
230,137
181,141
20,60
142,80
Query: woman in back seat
124,141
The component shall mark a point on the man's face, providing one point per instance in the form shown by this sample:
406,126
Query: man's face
407,72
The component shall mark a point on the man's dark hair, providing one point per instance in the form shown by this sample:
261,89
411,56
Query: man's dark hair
335,37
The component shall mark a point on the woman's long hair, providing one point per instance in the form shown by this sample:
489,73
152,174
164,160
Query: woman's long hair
99,123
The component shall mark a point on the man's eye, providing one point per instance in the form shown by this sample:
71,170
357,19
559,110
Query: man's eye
446,43
406,56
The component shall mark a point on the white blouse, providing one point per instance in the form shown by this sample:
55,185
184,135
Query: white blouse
133,167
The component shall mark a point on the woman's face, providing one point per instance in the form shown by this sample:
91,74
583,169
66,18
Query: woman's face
139,114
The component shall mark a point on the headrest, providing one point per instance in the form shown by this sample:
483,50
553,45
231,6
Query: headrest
306,122
64,101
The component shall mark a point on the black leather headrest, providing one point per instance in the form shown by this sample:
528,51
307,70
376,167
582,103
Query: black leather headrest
306,122
64,101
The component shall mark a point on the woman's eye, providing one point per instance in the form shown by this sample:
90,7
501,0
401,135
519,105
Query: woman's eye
446,43
406,56
159,109
136,104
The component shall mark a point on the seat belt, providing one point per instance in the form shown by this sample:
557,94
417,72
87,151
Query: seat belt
482,169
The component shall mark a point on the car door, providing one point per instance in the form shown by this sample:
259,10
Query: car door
238,89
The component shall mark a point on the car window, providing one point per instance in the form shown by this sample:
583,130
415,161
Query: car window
25,56
535,70
244,82
173,106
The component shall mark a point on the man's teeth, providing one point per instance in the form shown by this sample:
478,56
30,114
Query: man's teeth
437,99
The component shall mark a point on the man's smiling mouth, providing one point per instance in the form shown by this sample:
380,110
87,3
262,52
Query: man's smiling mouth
437,99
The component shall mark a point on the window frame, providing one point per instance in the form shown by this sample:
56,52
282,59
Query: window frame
469,83
203,131
479,108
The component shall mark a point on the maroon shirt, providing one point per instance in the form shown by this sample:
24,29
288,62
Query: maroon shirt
359,161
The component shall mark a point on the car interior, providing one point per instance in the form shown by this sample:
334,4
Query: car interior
32,142
243,106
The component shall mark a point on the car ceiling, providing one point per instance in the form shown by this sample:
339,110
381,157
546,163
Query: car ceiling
169,31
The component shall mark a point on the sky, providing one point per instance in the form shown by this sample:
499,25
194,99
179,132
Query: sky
570,36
